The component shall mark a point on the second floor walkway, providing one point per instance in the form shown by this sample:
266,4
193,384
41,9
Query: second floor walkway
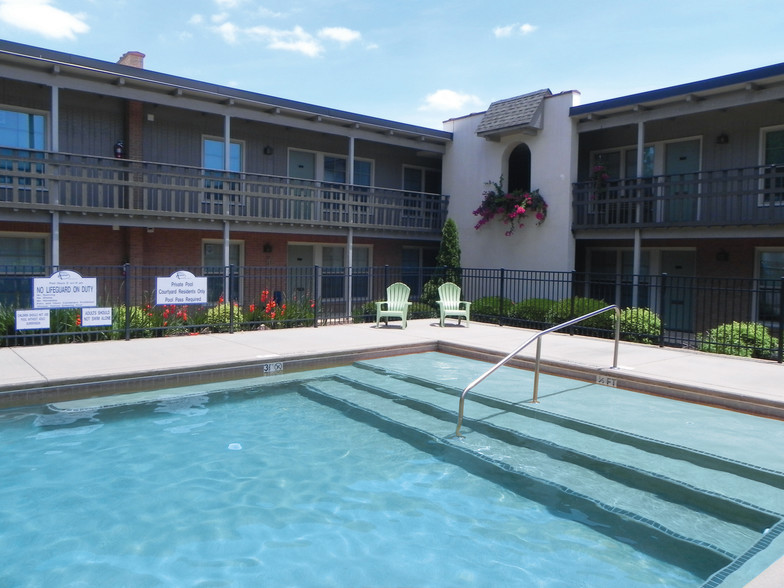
730,198
96,186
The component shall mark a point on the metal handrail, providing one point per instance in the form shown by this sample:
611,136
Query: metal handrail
538,338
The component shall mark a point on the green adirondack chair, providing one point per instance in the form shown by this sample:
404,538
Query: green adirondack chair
396,304
451,305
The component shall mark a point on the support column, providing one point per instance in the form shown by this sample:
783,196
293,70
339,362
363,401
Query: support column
350,240
637,254
226,259
54,145
349,270
226,143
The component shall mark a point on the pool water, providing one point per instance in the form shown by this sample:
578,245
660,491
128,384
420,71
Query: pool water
262,486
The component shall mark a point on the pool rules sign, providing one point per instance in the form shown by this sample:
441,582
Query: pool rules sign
64,289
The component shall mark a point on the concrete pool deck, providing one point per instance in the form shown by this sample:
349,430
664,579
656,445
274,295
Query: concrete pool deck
34,374
752,385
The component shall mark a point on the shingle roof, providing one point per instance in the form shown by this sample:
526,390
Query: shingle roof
514,114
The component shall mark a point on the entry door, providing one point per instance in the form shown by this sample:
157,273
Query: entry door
302,166
300,272
678,311
682,164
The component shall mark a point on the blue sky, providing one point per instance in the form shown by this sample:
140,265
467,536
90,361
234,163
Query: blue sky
414,61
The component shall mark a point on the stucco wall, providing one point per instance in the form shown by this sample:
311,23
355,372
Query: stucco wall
471,161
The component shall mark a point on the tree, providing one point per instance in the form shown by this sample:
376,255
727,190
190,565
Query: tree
448,261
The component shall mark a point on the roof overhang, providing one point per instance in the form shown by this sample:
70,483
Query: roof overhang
79,73
743,88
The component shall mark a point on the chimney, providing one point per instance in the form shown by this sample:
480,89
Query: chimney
132,58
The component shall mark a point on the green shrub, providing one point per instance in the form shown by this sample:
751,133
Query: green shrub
420,310
532,309
641,325
219,316
489,305
569,308
365,313
141,321
7,320
742,339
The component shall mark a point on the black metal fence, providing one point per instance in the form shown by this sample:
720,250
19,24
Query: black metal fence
738,316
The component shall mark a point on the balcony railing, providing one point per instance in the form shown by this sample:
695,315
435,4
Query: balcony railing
730,197
103,186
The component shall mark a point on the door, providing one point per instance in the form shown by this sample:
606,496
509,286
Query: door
300,272
682,165
678,302
302,166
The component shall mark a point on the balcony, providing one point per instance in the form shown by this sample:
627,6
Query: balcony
105,187
731,198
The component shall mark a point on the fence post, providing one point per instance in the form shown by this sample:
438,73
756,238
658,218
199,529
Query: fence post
316,295
571,300
781,320
230,295
127,272
502,287
662,305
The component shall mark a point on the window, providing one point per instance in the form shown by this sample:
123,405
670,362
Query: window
773,160
213,158
19,133
214,269
770,267
20,258
418,265
332,259
419,179
611,276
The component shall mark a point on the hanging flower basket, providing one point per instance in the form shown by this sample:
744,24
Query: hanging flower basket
512,208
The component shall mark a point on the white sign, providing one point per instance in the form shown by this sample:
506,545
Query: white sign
32,319
181,288
96,317
65,289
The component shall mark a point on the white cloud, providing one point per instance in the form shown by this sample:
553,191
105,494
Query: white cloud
509,30
196,19
503,31
41,17
527,28
297,40
228,31
228,3
449,101
340,34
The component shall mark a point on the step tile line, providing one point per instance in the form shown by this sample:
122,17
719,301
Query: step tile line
621,513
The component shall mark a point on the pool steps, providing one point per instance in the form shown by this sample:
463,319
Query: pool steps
670,491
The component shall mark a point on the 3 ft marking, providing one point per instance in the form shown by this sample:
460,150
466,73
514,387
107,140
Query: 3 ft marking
607,381
271,368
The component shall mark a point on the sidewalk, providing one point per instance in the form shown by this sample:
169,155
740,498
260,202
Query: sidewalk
747,384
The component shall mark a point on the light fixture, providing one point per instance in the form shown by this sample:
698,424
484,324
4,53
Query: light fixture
268,150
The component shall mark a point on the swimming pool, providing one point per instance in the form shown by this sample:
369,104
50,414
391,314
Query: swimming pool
282,481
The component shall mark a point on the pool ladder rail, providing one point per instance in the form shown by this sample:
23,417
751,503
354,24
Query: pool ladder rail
538,338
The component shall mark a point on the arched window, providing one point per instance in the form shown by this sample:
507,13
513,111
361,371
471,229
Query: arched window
519,169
